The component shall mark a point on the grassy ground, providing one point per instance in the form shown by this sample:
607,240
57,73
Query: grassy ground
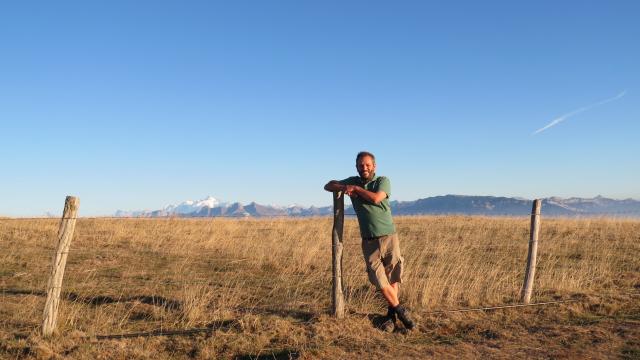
261,289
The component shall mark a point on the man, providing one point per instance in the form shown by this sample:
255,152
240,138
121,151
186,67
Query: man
380,245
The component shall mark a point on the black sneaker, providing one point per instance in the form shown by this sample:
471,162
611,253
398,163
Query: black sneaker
403,316
391,312
388,324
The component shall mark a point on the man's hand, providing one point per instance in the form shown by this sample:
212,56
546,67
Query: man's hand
351,190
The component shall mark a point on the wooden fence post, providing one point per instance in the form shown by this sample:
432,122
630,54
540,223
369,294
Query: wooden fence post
530,272
54,285
337,246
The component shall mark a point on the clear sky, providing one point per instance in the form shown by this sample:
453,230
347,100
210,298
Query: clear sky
139,104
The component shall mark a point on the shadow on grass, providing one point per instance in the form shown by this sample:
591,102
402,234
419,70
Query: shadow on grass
211,327
96,300
280,355
377,320
302,315
154,300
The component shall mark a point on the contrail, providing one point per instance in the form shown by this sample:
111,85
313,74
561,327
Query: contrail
578,111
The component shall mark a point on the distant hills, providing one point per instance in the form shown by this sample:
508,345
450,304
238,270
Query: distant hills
491,205
437,205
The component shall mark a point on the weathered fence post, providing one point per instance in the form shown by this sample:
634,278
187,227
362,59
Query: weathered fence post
54,285
530,272
337,246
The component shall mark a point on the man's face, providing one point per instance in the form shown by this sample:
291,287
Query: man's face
366,167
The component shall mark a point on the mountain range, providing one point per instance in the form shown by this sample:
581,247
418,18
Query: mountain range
437,205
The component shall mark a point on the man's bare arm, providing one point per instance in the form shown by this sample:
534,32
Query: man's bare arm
334,185
352,190
370,196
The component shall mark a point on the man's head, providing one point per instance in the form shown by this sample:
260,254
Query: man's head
366,165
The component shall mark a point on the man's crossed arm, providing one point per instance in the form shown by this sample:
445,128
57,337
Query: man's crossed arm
353,190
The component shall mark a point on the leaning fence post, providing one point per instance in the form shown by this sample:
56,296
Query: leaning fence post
530,272
54,285
337,246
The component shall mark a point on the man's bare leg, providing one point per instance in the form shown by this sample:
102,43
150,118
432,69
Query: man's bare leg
390,294
396,286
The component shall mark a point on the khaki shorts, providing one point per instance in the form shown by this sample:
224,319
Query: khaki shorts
383,259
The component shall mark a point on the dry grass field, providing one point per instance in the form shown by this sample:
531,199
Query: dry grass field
246,289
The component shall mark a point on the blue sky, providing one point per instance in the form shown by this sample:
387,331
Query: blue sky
138,104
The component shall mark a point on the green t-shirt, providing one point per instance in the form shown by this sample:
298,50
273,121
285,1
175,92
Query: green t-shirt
374,220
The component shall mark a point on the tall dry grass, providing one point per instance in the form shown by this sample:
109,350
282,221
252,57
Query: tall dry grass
143,274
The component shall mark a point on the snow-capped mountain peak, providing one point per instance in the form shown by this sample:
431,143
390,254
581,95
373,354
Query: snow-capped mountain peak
209,202
191,206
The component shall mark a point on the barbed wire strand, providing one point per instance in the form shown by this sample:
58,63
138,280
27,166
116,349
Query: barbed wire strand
154,274
487,308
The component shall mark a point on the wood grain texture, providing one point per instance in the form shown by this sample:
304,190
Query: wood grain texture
54,284
337,247
530,272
